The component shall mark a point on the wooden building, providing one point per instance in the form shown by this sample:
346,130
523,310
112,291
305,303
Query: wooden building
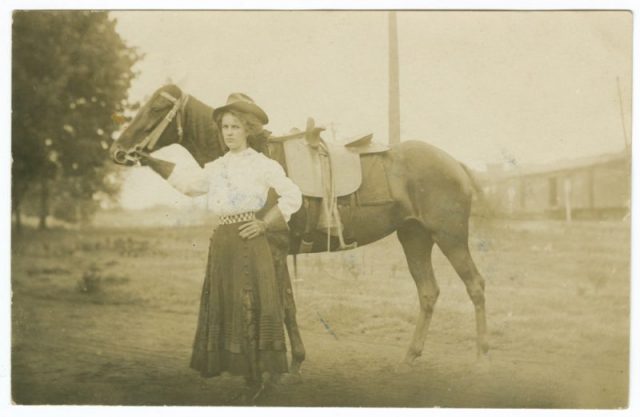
594,187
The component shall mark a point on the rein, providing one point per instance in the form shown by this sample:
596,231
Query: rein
152,138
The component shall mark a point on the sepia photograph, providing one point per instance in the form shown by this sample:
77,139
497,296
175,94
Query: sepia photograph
320,208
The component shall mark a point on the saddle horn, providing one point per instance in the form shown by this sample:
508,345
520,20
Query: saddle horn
312,133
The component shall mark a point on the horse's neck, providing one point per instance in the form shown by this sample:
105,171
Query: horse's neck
276,151
201,134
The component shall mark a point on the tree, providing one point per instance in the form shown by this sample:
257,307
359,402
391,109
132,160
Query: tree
71,71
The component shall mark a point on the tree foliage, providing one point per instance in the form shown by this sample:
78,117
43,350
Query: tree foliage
71,72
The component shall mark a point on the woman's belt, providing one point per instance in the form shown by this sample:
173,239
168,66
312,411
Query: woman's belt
237,218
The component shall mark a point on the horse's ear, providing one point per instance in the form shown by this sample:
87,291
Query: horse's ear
172,89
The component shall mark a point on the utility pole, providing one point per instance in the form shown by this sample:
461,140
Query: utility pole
627,146
624,127
394,81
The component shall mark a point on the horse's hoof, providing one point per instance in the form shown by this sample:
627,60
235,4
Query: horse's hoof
250,395
240,398
257,394
290,379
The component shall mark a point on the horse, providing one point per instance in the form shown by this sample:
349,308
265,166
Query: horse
431,196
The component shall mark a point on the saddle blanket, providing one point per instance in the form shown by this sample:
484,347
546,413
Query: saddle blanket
375,187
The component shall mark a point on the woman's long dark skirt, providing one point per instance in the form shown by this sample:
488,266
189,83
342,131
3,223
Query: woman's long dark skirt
240,324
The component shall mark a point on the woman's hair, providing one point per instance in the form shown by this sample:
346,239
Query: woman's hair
256,134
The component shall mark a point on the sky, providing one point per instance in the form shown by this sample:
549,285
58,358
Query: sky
487,87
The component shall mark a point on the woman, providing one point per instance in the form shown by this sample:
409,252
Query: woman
240,324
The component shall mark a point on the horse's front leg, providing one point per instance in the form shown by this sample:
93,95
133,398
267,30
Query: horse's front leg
289,308
297,347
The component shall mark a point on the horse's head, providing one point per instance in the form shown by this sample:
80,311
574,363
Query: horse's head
158,123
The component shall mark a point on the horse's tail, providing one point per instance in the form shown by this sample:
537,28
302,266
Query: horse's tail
474,183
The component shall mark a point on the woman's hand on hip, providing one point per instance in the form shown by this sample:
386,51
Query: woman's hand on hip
252,229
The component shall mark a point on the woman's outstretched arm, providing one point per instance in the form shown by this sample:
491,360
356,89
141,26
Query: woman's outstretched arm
176,165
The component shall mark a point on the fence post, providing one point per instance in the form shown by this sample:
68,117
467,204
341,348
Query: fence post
567,199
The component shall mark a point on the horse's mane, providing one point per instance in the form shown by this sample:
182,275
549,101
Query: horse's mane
201,132
202,136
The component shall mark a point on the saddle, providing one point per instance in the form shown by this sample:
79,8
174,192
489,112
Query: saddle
363,145
326,170
312,161
322,169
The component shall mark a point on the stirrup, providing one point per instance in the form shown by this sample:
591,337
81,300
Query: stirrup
305,247
348,246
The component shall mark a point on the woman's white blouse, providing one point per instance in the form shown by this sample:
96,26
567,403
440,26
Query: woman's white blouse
236,182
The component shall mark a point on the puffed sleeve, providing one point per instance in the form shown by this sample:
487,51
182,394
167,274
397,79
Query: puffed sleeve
290,196
187,176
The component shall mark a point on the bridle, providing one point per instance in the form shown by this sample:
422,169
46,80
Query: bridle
151,139
149,142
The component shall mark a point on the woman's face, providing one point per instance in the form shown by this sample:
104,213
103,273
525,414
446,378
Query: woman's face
234,133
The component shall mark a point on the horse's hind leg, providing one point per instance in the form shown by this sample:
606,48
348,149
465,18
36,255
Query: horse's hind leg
297,347
456,248
417,244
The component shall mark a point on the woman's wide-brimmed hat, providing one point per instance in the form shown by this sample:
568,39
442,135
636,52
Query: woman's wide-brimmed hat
243,103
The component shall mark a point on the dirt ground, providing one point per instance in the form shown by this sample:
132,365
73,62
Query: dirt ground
107,316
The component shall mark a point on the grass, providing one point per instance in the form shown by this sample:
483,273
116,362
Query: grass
557,308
